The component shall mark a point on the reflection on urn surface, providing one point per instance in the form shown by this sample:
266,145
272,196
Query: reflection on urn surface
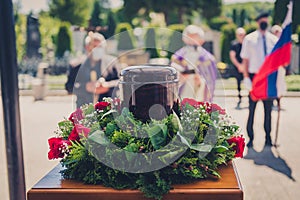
149,91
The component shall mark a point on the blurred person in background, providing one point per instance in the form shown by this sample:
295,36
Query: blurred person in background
98,68
197,66
234,54
256,46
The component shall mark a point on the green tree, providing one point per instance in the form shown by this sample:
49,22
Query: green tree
125,36
48,33
134,8
228,34
175,40
95,19
234,16
77,12
63,41
111,23
211,9
280,11
296,16
242,17
150,42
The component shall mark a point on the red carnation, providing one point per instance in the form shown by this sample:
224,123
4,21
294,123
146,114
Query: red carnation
101,105
76,116
57,147
239,145
78,129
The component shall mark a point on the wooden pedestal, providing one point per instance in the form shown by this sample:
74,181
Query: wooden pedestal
53,187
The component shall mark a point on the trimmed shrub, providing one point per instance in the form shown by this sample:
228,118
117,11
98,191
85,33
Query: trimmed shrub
150,42
125,36
63,40
175,40
228,34
217,22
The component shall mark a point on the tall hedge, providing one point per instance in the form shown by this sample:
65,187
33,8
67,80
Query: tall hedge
150,43
228,34
175,40
63,40
125,36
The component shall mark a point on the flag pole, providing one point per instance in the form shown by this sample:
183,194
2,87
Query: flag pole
277,124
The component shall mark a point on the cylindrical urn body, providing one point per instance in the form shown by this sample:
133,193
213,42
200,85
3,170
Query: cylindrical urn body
149,91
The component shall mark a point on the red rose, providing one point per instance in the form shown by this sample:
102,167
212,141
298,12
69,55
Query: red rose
101,105
78,129
239,145
76,116
192,102
57,147
216,107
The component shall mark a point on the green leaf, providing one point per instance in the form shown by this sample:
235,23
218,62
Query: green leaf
130,151
201,147
89,109
184,140
215,115
175,121
166,158
99,137
157,134
220,149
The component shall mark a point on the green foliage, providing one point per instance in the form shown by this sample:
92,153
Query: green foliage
250,27
150,43
217,22
111,23
280,11
95,18
243,17
211,9
252,8
73,11
293,82
190,136
228,34
298,33
63,42
125,36
296,16
175,39
20,29
234,16
48,33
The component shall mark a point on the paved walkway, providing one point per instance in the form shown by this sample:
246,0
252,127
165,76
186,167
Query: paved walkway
266,174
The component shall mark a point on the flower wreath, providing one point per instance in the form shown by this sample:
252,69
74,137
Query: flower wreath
200,138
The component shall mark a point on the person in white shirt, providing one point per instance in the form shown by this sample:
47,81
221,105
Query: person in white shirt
256,46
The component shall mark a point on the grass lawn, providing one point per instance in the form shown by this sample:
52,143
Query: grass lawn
292,81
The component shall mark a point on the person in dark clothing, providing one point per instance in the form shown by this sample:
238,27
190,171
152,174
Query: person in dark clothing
97,66
75,64
235,50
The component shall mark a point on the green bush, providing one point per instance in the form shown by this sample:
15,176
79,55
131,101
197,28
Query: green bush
125,36
150,42
250,27
228,34
217,22
298,33
63,40
175,40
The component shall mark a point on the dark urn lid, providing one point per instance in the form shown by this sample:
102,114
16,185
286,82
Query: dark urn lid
148,74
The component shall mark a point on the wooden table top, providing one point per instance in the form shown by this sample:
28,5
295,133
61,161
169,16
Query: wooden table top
53,186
